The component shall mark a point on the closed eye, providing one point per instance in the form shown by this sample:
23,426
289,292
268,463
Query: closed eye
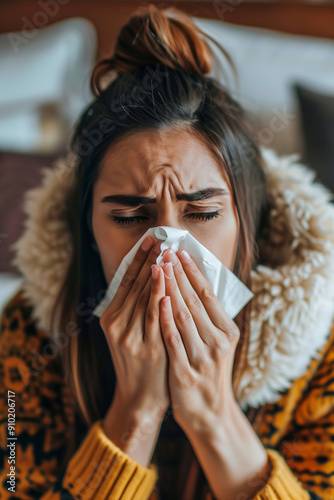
203,216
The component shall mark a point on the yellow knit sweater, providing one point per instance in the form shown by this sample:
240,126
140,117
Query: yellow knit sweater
297,431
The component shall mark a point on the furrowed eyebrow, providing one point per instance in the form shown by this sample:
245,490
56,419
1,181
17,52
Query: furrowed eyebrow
134,201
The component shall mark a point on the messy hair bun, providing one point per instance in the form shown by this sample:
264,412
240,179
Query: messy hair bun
159,36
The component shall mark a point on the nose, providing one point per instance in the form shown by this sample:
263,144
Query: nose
167,218
167,212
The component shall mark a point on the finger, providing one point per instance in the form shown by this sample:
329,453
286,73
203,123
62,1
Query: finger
152,324
177,355
136,292
145,316
195,305
136,325
135,277
122,323
202,287
183,319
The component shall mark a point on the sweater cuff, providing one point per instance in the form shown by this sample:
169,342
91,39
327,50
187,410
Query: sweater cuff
99,469
282,483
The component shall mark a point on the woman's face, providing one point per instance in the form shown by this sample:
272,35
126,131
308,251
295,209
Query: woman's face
169,168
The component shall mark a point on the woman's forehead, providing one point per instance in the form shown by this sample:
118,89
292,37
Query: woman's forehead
163,153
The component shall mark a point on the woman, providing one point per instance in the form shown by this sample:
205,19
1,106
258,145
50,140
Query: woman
166,396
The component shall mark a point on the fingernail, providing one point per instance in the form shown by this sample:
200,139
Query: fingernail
171,257
166,303
185,257
168,269
155,272
147,243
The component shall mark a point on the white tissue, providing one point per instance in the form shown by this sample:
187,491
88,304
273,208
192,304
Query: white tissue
231,292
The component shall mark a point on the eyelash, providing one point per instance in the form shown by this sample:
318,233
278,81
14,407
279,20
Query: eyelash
204,216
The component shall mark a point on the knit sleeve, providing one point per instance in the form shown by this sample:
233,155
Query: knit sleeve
99,469
303,463
33,429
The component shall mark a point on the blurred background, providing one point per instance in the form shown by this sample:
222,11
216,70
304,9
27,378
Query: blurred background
283,52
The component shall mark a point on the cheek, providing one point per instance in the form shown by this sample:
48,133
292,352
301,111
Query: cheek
231,241
232,244
110,245
223,243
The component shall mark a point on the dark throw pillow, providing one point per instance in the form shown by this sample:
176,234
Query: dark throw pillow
18,173
317,121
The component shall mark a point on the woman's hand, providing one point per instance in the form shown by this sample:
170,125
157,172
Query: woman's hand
131,326
132,329
201,340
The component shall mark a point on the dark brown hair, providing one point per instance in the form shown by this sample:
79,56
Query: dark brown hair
157,78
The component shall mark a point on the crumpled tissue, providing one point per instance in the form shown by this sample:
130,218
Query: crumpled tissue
231,292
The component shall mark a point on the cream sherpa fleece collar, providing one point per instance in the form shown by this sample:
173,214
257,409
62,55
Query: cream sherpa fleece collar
293,304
